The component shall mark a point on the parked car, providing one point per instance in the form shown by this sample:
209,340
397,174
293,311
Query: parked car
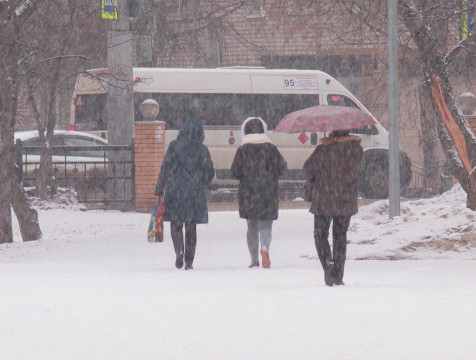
30,138
70,159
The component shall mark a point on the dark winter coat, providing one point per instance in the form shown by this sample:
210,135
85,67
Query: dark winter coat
258,167
186,172
334,166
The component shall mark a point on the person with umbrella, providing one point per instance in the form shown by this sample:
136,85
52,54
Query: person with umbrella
257,165
333,172
334,169
186,172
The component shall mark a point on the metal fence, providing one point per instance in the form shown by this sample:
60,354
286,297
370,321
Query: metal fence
105,177
417,183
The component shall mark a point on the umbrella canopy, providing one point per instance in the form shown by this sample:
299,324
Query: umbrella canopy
323,118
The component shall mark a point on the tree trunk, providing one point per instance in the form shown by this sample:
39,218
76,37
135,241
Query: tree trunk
7,159
431,176
45,172
457,169
26,215
11,192
435,64
471,203
6,234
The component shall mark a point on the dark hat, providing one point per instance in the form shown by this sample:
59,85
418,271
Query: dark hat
254,126
339,133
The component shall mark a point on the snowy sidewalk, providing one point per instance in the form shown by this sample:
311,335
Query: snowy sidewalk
93,288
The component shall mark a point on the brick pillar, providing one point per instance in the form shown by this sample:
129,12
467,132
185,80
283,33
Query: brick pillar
149,143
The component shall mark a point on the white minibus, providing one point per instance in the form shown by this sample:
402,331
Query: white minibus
223,97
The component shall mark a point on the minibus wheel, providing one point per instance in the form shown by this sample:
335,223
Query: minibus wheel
376,182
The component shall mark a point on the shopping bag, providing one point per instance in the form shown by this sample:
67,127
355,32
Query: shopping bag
156,223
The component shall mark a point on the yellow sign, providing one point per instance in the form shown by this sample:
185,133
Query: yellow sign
464,21
109,9
467,18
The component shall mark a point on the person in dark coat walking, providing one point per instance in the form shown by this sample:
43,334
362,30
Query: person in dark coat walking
186,172
334,167
257,165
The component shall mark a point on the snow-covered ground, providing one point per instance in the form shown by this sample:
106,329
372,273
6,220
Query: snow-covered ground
93,288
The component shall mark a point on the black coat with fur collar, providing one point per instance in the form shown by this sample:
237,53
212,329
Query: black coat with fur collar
334,165
258,167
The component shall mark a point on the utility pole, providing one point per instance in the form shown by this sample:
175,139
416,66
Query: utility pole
393,110
120,123
120,105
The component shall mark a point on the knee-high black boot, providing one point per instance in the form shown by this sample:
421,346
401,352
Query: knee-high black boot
190,244
177,239
321,235
339,230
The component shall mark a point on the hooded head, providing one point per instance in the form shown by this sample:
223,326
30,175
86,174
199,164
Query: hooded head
253,125
192,130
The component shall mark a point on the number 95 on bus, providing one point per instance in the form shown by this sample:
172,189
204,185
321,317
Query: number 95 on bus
288,82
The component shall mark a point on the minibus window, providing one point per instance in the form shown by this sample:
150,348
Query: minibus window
340,100
224,109
273,107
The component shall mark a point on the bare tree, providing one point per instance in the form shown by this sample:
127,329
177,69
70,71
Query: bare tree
180,27
50,63
441,93
13,15
36,38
